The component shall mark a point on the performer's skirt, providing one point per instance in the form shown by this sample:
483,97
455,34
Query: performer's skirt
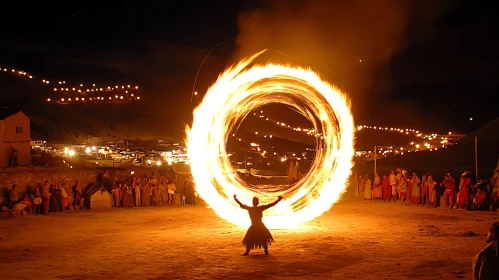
257,236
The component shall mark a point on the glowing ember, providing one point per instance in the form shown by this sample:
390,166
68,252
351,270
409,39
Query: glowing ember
238,91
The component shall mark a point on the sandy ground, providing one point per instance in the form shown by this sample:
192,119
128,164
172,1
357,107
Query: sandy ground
355,240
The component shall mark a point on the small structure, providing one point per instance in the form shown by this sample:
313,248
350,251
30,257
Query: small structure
15,137
37,144
101,199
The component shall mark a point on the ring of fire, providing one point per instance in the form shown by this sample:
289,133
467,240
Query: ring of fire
238,91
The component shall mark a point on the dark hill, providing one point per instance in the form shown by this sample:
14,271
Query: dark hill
82,122
454,159
364,139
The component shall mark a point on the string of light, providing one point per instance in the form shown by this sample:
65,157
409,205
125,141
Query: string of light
121,92
381,150
312,132
443,140
98,98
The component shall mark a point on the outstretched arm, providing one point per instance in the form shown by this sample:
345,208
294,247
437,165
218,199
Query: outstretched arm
265,207
240,204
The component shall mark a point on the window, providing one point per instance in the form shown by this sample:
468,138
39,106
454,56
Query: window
19,129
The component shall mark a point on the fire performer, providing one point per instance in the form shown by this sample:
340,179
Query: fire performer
485,263
257,235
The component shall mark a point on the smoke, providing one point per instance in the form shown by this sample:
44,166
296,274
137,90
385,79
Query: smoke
355,39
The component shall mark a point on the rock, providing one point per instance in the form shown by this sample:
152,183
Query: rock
468,234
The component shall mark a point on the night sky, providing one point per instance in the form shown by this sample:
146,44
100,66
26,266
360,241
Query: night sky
430,65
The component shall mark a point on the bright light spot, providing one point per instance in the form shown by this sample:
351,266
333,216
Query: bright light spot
71,153
242,89
88,150
158,163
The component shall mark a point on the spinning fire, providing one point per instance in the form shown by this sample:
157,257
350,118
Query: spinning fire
243,88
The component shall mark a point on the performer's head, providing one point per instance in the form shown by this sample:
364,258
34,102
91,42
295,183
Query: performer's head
494,232
256,201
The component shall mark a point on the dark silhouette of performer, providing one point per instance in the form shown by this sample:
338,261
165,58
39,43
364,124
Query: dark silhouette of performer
258,235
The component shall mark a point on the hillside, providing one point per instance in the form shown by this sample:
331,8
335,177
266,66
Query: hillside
145,119
83,122
454,159
364,139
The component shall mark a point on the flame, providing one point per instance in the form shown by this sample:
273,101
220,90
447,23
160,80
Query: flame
238,91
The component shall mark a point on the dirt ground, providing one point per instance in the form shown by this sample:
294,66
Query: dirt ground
354,240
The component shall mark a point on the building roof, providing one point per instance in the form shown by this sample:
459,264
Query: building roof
7,112
181,168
